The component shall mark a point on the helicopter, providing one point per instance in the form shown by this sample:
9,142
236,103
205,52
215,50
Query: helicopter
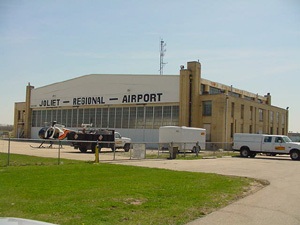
53,132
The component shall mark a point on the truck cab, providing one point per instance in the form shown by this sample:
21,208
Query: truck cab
122,142
250,144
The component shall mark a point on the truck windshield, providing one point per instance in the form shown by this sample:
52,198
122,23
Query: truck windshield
286,139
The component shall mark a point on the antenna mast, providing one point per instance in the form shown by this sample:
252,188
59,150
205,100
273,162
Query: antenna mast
161,57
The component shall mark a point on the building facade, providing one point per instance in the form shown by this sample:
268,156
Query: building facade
137,105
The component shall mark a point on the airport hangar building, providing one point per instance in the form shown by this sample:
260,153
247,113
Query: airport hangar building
137,105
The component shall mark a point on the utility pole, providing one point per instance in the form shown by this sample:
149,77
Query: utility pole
161,57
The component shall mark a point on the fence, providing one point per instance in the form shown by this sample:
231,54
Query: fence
61,151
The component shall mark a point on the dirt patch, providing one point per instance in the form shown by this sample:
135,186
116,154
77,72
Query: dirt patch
255,186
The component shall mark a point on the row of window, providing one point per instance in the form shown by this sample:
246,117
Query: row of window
213,91
207,111
149,117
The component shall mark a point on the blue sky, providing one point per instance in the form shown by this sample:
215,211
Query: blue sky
252,45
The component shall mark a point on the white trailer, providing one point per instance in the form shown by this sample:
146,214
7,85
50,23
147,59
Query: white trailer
250,144
185,138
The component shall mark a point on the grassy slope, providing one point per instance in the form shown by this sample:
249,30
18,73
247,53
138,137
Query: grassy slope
85,193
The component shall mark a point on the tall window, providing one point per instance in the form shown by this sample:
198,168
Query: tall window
242,111
207,108
271,116
232,109
140,119
118,118
167,115
282,120
112,117
157,116
132,117
125,118
149,117
105,118
261,114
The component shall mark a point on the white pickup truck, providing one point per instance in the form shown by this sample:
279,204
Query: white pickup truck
122,142
250,144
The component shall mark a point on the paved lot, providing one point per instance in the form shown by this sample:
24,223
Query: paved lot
278,203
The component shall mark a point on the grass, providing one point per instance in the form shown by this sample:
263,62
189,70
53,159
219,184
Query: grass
86,193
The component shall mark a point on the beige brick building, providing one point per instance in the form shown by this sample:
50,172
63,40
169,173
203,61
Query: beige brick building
137,105
224,110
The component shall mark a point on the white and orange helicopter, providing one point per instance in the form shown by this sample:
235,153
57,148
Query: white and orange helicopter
53,132
57,132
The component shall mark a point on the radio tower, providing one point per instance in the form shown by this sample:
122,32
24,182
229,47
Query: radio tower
161,57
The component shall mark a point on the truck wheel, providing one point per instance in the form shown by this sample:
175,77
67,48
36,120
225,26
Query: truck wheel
295,155
83,149
126,147
245,152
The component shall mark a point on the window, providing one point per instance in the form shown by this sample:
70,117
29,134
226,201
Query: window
140,117
251,112
119,118
232,109
278,140
90,114
33,120
58,117
80,117
207,108
268,139
112,117
242,111
167,115
271,116
261,114
132,117
157,116
282,119
234,94
149,117
104,118
74,118
125,118
175,115
214,90
98,118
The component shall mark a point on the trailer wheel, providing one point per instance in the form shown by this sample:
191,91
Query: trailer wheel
295,154
83,149
245,152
